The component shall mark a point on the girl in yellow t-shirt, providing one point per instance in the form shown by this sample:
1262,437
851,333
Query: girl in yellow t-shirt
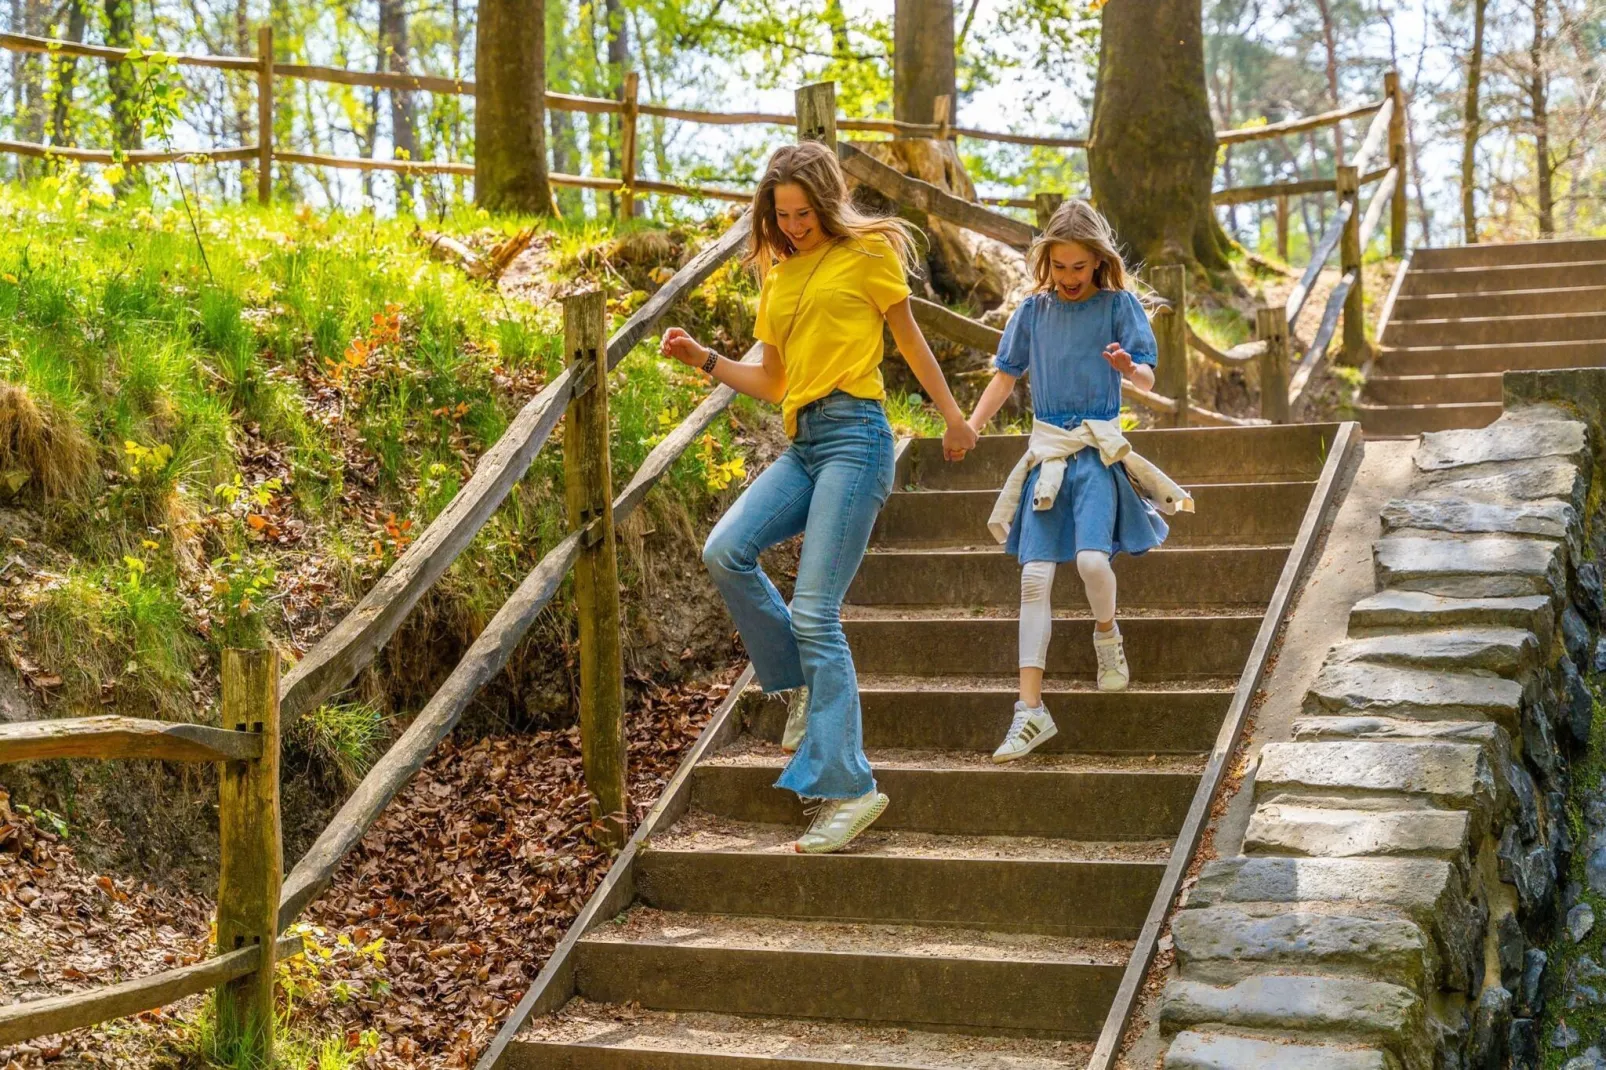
831,277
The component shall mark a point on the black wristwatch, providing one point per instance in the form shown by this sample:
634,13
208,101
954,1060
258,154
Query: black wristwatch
708,365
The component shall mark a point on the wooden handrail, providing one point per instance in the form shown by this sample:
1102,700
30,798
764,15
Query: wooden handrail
1318,259
1376,136
1250,194
905,189
124,737
1237,356
76,1010
1295,126
22,42
131,156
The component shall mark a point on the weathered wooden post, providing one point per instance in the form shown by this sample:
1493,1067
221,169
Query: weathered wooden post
1046,204
1282,228
588,489
264,114
816,113
1170,281
942,113
1349,255
1271,326
627,145
1397,216
250,853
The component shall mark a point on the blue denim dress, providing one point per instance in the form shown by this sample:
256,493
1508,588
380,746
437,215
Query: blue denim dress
1059,345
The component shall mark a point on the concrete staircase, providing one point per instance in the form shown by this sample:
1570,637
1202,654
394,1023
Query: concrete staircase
1467,314
986,920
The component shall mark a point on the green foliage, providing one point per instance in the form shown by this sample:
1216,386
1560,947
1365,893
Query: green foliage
346,736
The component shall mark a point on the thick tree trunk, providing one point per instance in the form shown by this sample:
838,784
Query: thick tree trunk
510,168
127,130
922,58
61,132
1538,96
1152,152
394,47
1330,46
1472,127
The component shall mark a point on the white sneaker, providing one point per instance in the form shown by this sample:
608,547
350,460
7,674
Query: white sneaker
1031,726
797,720
838,822
1113,674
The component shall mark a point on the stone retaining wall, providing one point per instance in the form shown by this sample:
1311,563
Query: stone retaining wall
1405,865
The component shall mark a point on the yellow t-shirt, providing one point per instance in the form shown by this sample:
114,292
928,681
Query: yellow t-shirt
831,339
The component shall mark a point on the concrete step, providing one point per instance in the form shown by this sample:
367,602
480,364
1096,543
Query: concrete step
1493,279
1225,514
1477,387
1500,330
598,1036
1508,254
1386,420
973,715
1157,647
1163,578
1047,796
707,865
1191,455
1574,298
933,978
1397,359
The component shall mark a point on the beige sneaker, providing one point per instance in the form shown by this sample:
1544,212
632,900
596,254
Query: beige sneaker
838,822
1113,674
797,720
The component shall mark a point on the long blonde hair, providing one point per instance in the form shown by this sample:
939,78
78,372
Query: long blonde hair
814,169
1078,221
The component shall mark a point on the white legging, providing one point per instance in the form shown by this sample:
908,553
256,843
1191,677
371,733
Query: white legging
1036,601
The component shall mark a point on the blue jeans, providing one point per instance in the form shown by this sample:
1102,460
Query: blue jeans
830,485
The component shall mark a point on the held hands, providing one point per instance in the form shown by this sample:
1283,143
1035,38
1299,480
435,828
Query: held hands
957,440
1120,359
683,347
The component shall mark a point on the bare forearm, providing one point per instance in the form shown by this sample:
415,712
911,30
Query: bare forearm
917,354
754,380
992,399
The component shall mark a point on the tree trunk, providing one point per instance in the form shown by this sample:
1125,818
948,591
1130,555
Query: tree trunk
618,64
1330,46
393,42
1538,93
510,169
565,141
127,130
1152,151
922,59
837,20
1472,128
61,132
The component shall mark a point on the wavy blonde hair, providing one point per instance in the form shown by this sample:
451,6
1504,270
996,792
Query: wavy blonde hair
1078,221
814,169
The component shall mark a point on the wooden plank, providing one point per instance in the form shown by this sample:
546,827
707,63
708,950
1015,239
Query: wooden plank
715,118
928,198
124,737
938,320
364,163
1272,328
1349,260
1295,126
735,196
1376,137
1388,191
1283,190
816,113
1386,313
250,854
486,657
1023,139
1318,259
396,80
132,158
21,42
76,1010
1344,449
1170,282
1397,162
1237,356
627,143
1008,202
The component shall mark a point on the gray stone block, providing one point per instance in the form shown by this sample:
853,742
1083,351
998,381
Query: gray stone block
1532,870
1506,651
1446,775
1510,947
1357,687
1494,566
1221,1051
1577,702
1513,483
1590,593
1491,1025
1523,1044
1417,609
1222,945
1575,635
1580,920
1513,437
1322,831
1548,518
1533,982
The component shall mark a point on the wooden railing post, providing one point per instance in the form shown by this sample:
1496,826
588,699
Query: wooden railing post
250,854
1047,204
942,113
1272,327
1282,228
1349,257
588,489
1397,216
816,113
1170,281
264,114
627,145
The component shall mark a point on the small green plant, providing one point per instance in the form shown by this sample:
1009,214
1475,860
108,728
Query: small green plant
240,587
48,820
346,735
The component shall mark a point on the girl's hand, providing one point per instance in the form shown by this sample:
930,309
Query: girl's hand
683,347
1119,359
959,439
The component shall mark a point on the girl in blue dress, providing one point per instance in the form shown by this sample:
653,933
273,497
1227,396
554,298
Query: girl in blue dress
1077,336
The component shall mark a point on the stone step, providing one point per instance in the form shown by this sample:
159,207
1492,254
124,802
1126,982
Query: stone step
707,865
1513,483
1494,279
1507,254
1495,357
1226,514
599,1036
1474,388
1163,578
1483,330
1524,435
1416,609
1223,1051
1157,647
1392,421
1224,945
931,978
1551,519
1491,566
1190,456
1574,298
1056,798
1505,651
1413,694
1446,776
949,714
1285,829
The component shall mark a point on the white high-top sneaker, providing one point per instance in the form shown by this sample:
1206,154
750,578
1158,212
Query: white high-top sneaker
1113,674
1031,726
